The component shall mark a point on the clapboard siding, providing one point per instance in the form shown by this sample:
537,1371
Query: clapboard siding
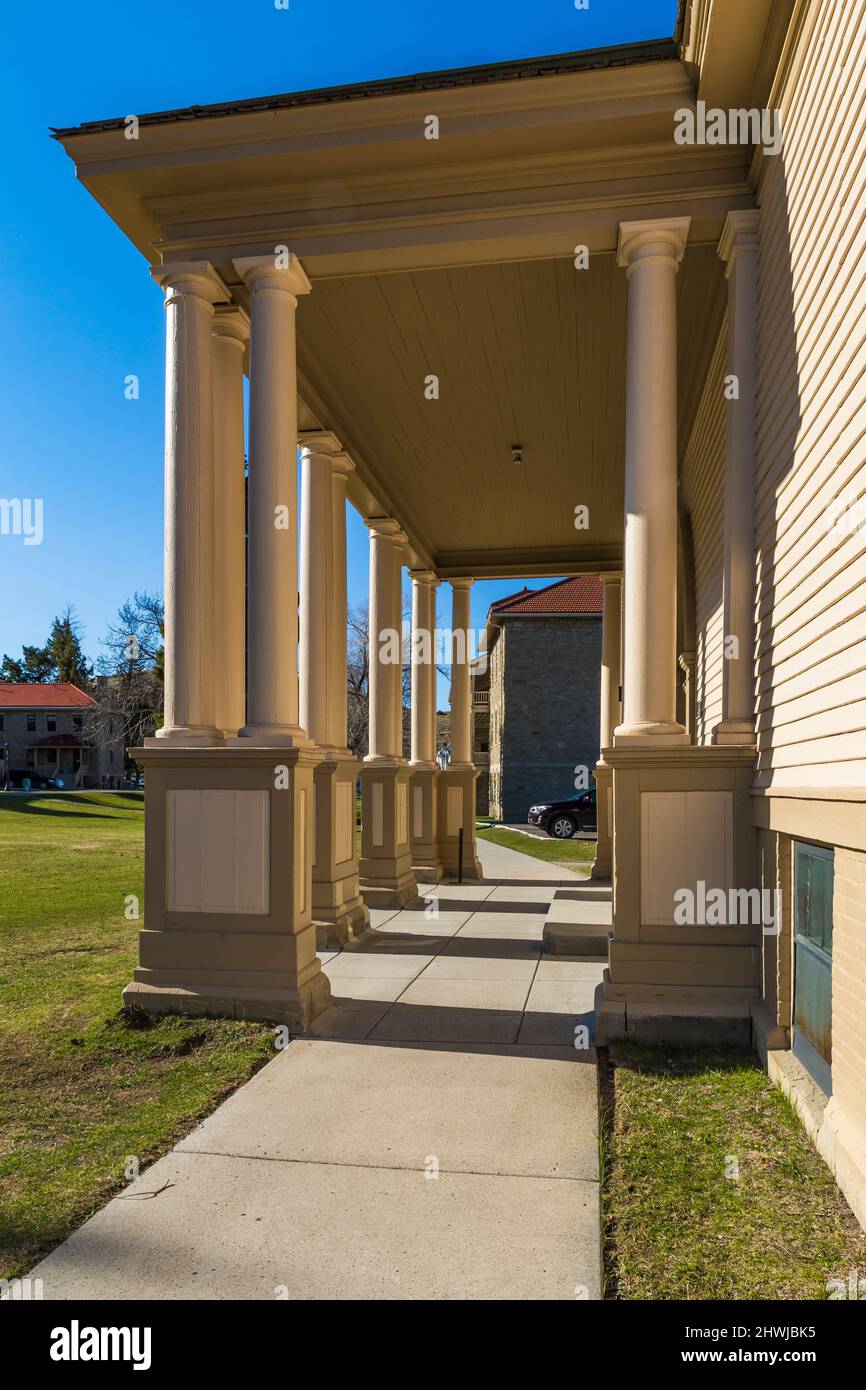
704,497
811,424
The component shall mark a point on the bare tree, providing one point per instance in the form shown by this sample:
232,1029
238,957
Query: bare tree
358,671
129,681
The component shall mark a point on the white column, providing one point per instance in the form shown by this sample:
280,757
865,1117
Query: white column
231,327
423,658
611,672
323,701
272,586
384,670
434,678
316,586
739,249
338,705
191,289
398,625
461,675
651,252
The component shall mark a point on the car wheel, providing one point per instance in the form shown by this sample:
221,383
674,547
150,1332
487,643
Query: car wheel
562,827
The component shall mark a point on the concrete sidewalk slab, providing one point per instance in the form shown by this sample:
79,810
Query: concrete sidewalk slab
496,1110
311,1181
240,1229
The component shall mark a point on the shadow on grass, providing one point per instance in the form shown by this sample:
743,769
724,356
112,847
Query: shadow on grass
25,805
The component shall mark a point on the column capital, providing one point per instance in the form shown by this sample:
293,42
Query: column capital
324,444
196,278
386,528
655,239
426,577
740,233
464,582
264,273
611,578
231,322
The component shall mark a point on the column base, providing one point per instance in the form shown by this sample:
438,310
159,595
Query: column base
646,735
683,834
186,736
272,736
386,875
294,1008
735,732
228,886
602,869
456,811
424,845
339,913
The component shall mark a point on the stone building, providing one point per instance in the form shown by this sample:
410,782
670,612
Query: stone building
55,730
544,655
481,732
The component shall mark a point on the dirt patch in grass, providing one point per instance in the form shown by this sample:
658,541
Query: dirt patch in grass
711,1188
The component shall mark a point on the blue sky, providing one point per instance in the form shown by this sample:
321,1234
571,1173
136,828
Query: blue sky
81,312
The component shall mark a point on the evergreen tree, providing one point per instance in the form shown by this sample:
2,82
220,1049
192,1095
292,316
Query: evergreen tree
35,667
64,645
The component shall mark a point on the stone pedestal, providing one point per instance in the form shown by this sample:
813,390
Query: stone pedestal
386,863
339,913
423,798
682,821
456,811
228,888
603,866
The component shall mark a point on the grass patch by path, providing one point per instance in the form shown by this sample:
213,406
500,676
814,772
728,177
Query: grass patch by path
679,1222
84,1089
574,854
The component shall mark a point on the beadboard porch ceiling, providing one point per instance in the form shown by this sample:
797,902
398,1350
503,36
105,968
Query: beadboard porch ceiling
453,258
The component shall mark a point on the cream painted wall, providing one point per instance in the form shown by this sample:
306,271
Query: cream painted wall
703,490
811,598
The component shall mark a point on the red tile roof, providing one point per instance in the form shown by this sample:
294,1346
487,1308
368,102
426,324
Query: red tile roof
46,696
580,594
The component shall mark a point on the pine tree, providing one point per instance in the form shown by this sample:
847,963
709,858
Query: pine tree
64,646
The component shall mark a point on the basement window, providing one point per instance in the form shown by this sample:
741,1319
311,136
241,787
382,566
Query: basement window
813,961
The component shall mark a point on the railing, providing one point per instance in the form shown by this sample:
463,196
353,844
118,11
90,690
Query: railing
481,697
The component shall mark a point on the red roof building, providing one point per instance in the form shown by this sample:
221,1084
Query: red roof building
580,594
48,696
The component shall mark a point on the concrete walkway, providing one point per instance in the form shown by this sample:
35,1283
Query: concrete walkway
435,1139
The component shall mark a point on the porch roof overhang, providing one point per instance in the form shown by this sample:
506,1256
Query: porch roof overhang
452,257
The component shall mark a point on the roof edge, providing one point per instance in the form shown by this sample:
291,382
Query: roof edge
549,65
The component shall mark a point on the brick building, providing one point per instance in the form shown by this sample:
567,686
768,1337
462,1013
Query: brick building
536,705
55,730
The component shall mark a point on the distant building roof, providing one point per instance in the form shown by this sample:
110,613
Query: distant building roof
47,696
580,594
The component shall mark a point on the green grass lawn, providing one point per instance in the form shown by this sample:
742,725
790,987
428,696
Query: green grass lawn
574,853
679,1223
84,1088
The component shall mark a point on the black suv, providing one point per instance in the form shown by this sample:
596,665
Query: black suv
562,819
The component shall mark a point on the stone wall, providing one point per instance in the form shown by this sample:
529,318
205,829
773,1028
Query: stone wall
546,686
